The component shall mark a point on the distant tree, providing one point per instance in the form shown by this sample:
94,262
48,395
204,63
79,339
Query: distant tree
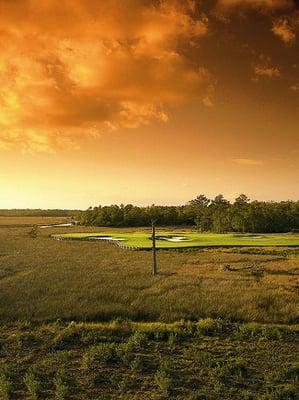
199,206
34,231
218,215
220,207
240,213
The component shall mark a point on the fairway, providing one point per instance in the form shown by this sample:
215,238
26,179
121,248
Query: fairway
170,240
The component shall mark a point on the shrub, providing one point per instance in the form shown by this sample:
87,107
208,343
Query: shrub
163,381
61,386
34,231
202,358
209,327
163,378
98,355
32,384
234,367
292,372
138,339
173,338
67,338
288,392
5,386
246,395
137,364
124,353
198,395
123,384
254,330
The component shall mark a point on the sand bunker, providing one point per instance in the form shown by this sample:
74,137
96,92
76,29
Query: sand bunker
250,236
173,238
105,238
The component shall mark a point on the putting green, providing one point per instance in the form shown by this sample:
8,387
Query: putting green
168,240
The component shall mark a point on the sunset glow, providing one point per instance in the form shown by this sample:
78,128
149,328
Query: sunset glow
147,101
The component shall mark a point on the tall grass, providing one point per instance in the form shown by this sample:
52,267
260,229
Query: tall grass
44,279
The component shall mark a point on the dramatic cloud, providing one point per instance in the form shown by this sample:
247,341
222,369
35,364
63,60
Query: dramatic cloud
264,68
284,31
68,70
269,72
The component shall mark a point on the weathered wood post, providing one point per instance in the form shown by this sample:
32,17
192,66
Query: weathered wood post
154,266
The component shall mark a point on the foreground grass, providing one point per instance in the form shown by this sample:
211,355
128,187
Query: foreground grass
43,279
208,359
143,239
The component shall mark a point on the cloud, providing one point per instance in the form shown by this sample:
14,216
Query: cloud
94,66
248,161
227,6
269,72
295,87
264,68
284,31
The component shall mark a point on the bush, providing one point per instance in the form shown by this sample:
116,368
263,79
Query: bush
124,353
292,372
98,355
209,327
254,330
61,386
234,367
5,386
288,392
137,364
32,384
202,358
246,395
163,379
138,339
198,395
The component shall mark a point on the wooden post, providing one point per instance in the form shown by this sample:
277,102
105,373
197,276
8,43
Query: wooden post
154,267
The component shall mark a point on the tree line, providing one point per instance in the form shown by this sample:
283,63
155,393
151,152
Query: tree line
208,215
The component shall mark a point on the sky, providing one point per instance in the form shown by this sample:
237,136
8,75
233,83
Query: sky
147,101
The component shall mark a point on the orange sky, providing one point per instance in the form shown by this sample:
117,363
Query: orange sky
147,101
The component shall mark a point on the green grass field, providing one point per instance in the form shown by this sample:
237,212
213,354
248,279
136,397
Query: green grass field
142,240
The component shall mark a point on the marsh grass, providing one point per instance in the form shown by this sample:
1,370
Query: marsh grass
87,320
44,279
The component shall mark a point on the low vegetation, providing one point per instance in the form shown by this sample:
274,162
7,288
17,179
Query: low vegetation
44,279
124,360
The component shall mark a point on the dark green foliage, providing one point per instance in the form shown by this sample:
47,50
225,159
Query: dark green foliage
217,215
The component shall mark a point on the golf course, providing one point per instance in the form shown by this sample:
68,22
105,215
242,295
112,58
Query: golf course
174,240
